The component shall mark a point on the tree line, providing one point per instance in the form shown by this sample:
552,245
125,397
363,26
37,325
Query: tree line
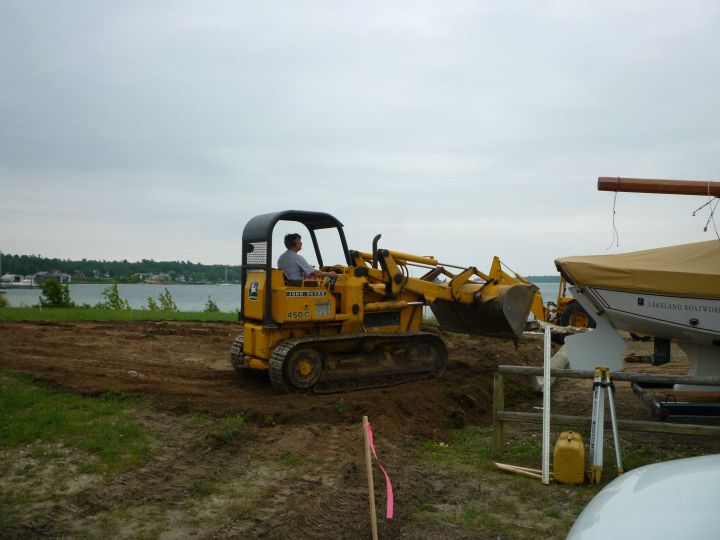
120,271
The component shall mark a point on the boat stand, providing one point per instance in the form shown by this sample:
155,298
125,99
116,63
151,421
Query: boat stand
602,382
664,402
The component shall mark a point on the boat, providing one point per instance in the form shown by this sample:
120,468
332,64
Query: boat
671,294
226,282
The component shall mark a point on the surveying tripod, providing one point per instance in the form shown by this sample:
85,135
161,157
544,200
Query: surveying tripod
602,382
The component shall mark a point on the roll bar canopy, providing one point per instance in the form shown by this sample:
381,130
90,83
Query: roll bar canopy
257,252
260,228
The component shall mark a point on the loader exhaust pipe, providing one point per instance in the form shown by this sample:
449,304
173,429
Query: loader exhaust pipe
374,250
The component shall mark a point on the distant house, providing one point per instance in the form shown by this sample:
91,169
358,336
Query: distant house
161,277
16,281
11,278
44,276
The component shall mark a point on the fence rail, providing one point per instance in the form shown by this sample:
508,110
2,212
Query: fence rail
501,416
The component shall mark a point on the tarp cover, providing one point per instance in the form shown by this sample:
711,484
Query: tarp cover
687,270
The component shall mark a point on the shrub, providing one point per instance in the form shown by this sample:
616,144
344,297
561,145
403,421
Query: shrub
55,294
113,299
3,301
211,306
166,301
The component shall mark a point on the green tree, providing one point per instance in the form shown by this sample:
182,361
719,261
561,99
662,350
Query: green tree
166,301
211,306
3,301
113,299
152,304
55,294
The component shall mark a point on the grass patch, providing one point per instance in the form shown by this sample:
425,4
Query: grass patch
52,438
468,446
195,417
646,455
488,500
289,460
31,314
227,430
102,427
204,488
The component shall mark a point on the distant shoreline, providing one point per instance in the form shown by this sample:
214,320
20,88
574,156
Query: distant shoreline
127,282
543,279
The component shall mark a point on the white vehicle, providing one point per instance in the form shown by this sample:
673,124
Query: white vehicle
675,499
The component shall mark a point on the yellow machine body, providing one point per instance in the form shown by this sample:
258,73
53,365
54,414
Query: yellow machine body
569,458
373,307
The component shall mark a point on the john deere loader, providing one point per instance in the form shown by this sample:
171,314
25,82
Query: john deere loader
361,329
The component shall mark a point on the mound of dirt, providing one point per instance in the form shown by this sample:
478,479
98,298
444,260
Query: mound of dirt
185,366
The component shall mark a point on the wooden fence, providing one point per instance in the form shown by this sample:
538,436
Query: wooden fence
501,416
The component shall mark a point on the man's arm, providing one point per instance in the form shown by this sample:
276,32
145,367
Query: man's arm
320,273
310,270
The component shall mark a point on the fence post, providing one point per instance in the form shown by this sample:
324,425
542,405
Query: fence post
498,406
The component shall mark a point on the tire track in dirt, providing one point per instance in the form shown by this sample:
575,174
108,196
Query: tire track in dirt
342,501
323,496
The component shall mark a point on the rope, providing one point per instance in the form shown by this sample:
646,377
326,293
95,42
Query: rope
616,236
711,218
712,208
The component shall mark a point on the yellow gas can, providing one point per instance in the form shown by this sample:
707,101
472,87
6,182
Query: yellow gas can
569,458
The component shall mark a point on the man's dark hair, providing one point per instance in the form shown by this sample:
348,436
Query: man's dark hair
291,239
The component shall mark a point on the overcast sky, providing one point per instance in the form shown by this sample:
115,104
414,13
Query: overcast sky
458,129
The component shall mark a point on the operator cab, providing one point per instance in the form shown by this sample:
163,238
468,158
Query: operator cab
258,258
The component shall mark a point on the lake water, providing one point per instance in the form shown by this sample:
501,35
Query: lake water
187,297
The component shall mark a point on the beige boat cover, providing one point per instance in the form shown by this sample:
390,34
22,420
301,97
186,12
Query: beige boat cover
687,270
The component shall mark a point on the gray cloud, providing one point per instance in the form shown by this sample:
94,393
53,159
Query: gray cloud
463,129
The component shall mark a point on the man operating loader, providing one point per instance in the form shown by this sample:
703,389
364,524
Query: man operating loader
295,267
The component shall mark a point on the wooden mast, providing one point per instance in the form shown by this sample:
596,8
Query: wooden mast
669,187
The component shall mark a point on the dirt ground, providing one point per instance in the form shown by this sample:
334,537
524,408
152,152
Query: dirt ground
299,467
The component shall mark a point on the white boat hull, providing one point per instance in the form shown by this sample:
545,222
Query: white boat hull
666,317
693,323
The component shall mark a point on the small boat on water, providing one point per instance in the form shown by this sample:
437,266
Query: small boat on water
226,282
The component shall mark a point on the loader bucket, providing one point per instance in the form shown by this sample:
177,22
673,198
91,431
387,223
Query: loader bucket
498,312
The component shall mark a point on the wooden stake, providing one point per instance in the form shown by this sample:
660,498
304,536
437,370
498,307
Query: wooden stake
498,407
371,486
535,473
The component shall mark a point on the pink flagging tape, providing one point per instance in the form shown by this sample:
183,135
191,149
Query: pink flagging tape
388,483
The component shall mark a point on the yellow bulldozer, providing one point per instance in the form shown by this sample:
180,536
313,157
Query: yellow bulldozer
362,328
